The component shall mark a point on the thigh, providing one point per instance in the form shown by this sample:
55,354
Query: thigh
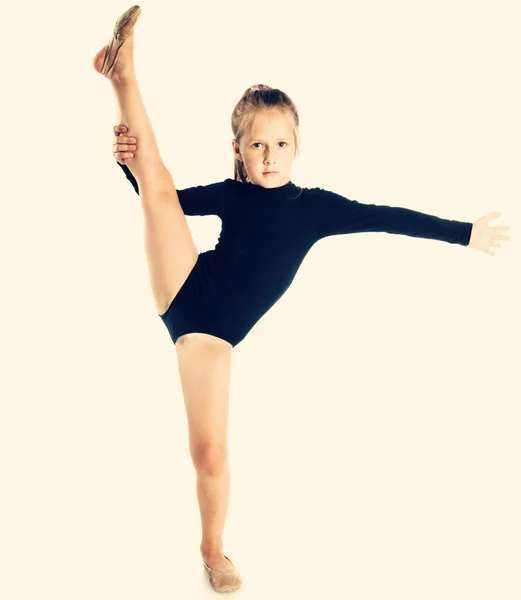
205,368
170,250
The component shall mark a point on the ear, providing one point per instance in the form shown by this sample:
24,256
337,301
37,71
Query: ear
236,150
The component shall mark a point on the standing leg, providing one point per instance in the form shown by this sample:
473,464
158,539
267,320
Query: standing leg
204,368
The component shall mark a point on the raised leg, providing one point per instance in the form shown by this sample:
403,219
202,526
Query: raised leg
170,250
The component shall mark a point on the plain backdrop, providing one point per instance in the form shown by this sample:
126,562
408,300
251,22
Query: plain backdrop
374,410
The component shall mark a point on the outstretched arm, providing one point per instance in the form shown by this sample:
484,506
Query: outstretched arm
334,214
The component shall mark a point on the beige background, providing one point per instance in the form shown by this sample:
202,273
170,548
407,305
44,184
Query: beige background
374,426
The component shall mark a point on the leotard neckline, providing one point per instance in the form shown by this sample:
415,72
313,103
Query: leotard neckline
281,191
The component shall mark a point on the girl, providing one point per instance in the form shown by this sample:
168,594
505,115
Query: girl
210,301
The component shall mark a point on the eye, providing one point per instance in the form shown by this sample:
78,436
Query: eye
255,143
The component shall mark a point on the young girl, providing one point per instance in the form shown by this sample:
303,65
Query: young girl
210,301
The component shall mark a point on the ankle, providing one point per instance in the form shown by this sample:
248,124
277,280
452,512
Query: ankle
123,75
211,548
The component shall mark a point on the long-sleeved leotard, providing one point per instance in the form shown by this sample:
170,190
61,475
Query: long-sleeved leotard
265,235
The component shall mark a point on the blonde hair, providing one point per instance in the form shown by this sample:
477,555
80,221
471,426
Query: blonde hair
255,98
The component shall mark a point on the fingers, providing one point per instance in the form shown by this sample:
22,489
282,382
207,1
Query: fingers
490,216
123,145
126,143
123,151
119,155
120,138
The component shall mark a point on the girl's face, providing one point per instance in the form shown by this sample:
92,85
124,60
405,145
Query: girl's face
269,145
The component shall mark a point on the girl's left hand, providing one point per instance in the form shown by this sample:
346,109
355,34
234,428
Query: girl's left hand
484,236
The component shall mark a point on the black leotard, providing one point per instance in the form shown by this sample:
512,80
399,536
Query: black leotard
266,233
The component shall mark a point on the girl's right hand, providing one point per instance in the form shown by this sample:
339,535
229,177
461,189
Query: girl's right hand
123,146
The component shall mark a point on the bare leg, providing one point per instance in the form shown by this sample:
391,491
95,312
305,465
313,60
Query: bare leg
147,165
205,369
170,249
213,495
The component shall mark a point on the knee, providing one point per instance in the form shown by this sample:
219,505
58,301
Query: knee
210,457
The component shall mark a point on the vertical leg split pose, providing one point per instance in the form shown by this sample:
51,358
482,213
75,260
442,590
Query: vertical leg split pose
210,301
204,360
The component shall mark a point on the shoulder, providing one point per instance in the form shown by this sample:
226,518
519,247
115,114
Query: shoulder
211,188
315,192
318,191
311,197
319,196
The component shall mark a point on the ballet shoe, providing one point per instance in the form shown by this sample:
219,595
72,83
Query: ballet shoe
123,28
221,581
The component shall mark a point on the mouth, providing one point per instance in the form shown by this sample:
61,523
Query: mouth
270,172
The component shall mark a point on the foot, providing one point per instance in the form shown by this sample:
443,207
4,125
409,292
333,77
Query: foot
215,560
117,57
222,574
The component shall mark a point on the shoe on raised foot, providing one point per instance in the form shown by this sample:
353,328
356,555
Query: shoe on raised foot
123,28
224,581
